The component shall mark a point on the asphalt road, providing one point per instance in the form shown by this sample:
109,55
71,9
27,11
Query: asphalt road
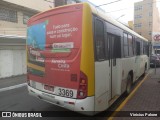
19,100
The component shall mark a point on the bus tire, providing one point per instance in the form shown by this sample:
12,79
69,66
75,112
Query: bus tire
129,85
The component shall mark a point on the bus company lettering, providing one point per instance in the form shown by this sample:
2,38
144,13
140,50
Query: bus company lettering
63,45
58,61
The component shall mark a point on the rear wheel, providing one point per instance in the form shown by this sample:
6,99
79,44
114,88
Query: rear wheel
129,84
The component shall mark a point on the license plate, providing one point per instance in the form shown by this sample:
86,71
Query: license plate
49,88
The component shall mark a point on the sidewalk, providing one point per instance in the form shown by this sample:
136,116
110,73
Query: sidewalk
146,98
11,81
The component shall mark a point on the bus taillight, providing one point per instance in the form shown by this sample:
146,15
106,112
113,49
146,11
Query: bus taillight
83,86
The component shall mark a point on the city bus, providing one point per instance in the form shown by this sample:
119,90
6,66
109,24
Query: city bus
82,60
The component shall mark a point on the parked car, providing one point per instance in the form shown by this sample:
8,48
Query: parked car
155,60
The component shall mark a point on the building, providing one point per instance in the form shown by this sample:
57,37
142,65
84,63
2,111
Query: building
13,24
60,2
147,19
65,2
130,25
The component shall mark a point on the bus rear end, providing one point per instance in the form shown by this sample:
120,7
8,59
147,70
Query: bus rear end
59,70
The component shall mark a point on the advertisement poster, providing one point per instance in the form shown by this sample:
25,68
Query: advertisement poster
54,43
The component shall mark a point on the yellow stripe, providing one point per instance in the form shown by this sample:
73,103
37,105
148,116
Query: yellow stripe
36,67
87,53
127,99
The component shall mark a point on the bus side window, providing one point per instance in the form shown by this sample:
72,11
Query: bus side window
134,46
99,40
117,47
125,45
137,48
130,42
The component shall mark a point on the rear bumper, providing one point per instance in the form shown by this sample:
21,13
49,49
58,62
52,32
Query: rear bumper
84,106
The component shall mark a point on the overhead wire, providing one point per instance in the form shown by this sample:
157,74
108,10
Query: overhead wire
129,7
108,3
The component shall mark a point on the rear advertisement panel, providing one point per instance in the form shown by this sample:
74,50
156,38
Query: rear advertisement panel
54,49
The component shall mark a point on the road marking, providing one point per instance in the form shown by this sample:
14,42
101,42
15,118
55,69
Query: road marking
127,99
13,87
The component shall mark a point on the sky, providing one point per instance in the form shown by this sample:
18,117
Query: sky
122,10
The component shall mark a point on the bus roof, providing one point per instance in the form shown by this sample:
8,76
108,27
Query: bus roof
114,22
101,14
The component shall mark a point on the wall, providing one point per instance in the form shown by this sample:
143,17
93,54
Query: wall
12,49
150,14
32,4
12,62
14,28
